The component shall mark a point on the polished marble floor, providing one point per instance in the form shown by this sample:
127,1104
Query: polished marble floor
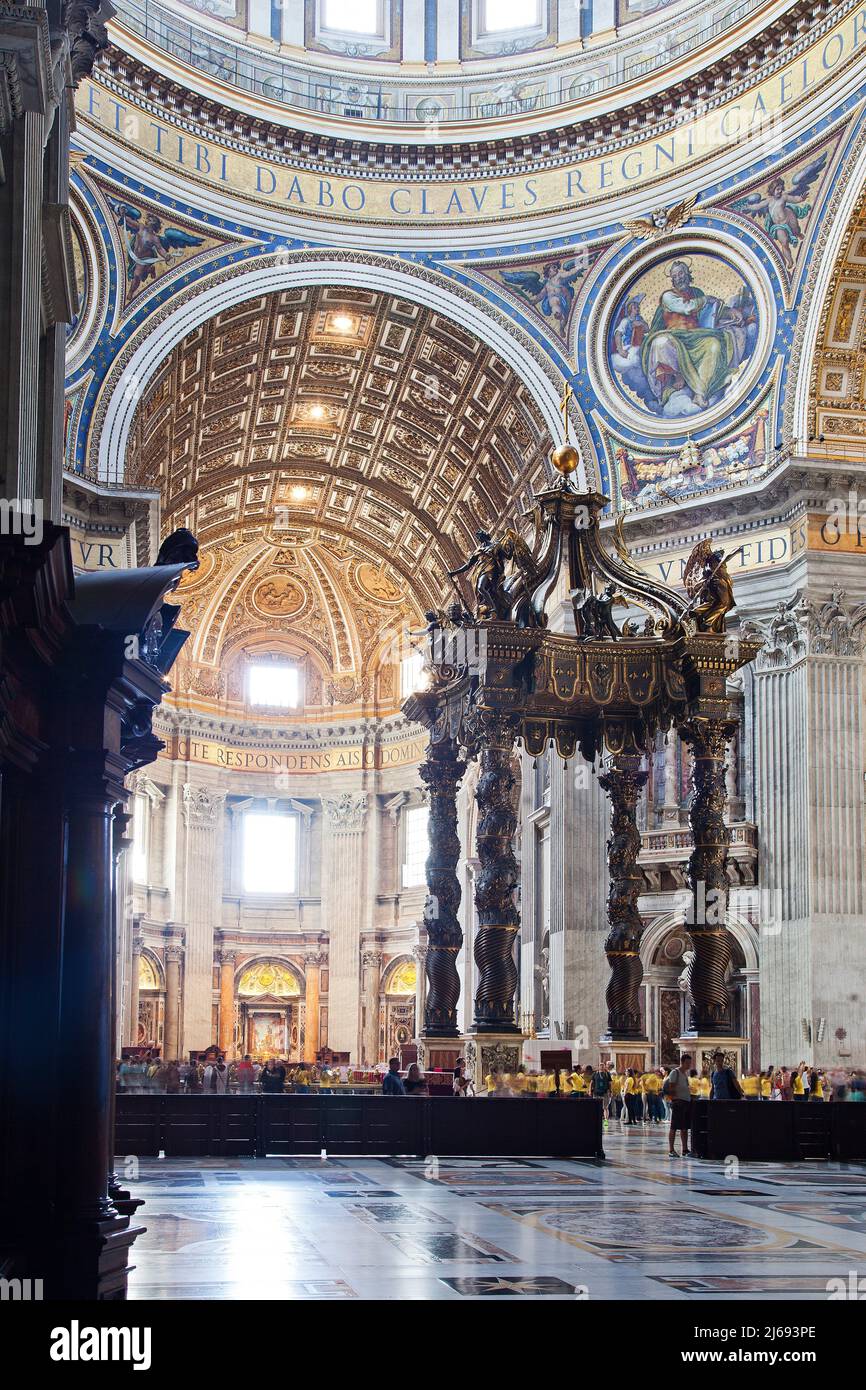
635,1226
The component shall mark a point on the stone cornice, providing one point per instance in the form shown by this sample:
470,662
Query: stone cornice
298,737
739,71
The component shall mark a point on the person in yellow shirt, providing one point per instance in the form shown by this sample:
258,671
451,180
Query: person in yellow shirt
616,1085
798,1091
578,1084
517,1081
694,1083
765,1084
566,1085
816,1086
704,1087
633,1099
490,1080
751,1086
651,1084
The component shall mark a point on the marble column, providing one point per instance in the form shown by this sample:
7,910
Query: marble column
344,889
623,779
372,964
173,957
420,955
495,884
202,859
708,878
671,799
227,1002
132,1021
312,977
441,772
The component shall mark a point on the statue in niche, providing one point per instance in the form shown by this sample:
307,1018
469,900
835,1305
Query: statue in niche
542,974
488,561
596,613
708,585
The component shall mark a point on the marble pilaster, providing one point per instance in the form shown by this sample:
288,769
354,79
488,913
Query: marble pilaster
343,897
202,859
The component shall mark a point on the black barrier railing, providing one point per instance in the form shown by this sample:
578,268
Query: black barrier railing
258,1126
784,1132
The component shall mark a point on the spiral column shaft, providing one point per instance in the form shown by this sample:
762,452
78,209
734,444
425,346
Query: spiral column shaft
441,772
623,779
495,882
708,877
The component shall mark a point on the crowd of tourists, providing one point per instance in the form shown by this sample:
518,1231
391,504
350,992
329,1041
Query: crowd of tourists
631,1097
212,1072
636,1097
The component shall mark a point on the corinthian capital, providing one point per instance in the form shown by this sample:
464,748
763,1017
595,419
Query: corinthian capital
202,806
346,812
810,627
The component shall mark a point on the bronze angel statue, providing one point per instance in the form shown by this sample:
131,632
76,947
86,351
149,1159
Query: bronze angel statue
709,587
500,591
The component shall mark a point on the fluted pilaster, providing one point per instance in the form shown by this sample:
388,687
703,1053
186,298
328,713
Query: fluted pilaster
343,896
203,864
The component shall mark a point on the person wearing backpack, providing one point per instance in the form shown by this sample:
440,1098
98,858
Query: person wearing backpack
725,1085
601,1091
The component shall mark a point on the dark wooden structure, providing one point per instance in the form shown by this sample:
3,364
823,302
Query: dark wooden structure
199,1126
83,660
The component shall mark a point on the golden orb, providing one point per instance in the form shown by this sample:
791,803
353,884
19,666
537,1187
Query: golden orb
565,459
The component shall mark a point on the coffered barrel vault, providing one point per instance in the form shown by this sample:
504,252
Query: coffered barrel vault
334,450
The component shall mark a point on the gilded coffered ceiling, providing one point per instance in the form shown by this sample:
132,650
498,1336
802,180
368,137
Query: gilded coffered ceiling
839,374
334,451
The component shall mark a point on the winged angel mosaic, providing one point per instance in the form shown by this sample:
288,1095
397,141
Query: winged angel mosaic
149,246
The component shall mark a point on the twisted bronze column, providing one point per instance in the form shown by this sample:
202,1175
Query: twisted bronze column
495,882
622,780
442,771
708,878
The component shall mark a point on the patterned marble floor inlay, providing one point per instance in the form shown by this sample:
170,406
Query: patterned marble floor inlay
634,1227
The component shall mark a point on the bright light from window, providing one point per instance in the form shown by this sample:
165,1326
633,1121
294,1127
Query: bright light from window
412,674
351,16
270,853
509,14
139,838
417,847
274,684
